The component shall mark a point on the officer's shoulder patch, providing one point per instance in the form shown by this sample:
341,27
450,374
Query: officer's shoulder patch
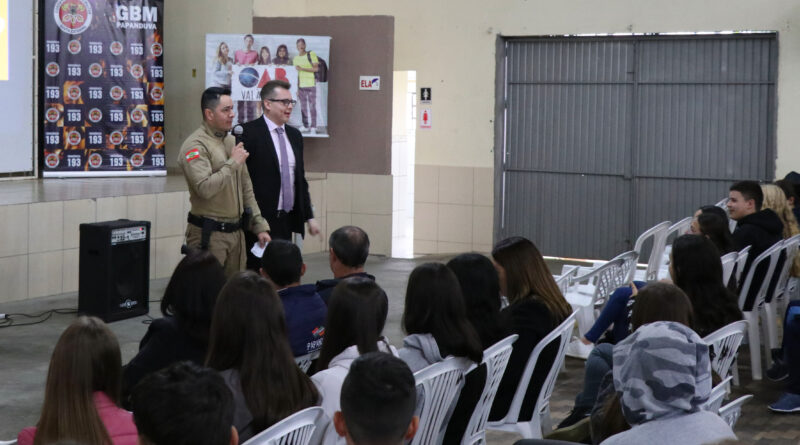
192,154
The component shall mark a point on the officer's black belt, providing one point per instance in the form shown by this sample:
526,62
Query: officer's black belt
216,226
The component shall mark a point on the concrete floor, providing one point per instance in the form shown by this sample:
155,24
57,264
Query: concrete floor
25,353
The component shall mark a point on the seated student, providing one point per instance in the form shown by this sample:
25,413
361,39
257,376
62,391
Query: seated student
663,375
435,319
282,263
184,404
712,222
356,316
658,302
792,179
348,249
789,401
756,227
696,269
536,307
378,401
249,346
480,288
182,332
82,393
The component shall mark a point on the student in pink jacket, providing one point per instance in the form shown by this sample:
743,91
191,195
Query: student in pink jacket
81,399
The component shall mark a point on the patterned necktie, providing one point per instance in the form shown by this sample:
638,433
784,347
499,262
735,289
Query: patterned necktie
287,188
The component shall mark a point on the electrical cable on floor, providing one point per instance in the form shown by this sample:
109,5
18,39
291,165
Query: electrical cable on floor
9,320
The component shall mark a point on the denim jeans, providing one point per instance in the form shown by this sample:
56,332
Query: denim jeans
597,365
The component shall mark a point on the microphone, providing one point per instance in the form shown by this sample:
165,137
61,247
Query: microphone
237,132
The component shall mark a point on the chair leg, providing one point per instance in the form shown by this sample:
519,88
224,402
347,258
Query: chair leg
754,339
735,371
771,325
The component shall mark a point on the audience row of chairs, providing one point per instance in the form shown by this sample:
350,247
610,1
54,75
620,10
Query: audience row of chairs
440,384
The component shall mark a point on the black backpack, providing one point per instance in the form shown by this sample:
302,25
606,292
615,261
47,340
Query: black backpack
322,72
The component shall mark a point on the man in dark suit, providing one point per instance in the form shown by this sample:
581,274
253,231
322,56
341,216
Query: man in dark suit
276,167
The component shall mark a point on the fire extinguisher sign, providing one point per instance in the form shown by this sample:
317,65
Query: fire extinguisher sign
425,118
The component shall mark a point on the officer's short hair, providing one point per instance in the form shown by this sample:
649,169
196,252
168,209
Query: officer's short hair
282,262
350,244
210,98
269,88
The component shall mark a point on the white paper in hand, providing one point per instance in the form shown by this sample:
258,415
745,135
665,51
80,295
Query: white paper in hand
257,250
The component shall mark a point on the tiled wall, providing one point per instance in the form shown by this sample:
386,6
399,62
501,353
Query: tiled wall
343,199
39,242
453,209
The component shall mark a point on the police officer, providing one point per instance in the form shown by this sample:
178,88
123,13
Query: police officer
220,190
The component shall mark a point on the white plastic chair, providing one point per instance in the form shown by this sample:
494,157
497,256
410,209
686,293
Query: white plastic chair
296,429
540,422
304,361
726,341
588,293
731,412
563,280
751,314
495,358
8,442
629,260
741,260
440,384
675,230
717,396
728,264
775,304
659,235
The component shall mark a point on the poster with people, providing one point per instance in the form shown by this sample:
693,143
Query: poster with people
245,62
103,76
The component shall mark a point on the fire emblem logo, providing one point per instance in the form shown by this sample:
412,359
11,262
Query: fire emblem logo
53,69
116,48
95,70
137,160
74,138
95,115
95,160
74,46
52,115
73,16
116,137
117,92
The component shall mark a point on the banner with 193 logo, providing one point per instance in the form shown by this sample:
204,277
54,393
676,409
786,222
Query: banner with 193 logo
103,64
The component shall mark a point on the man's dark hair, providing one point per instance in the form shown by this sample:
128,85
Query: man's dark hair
300,40
282,262
351,245
378,398
184,404
750,190
210,98
249,35
269,88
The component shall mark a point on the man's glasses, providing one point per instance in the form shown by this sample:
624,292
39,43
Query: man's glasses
285,102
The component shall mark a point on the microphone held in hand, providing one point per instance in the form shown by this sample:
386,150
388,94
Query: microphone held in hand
237,132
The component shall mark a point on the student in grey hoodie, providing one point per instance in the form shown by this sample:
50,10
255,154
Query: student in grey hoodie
663,374
435,319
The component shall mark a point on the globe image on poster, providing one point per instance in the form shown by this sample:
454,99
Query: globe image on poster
248,77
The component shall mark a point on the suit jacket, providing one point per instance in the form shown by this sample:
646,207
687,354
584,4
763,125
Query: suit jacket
266,175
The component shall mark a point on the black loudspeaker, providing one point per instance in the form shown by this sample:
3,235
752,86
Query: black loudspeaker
114,276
